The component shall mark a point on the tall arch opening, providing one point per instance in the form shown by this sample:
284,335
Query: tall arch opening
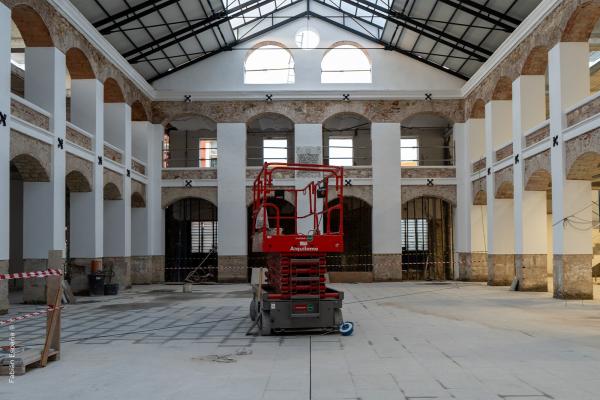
191,240
356,262
347,140
426,140
270,139
190,141
427,239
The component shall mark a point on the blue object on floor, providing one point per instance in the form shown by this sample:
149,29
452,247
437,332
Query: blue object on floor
347,328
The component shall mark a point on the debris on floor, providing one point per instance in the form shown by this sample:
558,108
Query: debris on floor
224,358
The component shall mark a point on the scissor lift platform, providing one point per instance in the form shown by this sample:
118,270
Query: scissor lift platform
295,295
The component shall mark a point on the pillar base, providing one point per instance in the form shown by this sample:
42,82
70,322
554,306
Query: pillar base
121,267
233,269
501,269
79,269
3,288
532,272
573,276
472,267
141,270
158,269
34,290
387,267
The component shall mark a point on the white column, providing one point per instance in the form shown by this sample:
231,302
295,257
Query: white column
44,203
529,110
5,24
476,138
308,139
231,194
500,212
463,194
87,209
156,214
140,235
572,247
387,202
117,213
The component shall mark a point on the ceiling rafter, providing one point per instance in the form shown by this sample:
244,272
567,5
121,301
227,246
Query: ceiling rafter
193,30
479,13
424,29
455,36
236,43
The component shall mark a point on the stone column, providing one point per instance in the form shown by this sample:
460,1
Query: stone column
473,264
572,248
387,202
44,202
231,196
500,212
156,214
117,213
308,140
141,263
529,110
87,209
463,202
5,24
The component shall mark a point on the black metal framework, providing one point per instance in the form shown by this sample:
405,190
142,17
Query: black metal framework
357,255
427,239
186,246
163,36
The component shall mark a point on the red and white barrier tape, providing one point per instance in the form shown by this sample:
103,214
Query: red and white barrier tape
34,274
28,316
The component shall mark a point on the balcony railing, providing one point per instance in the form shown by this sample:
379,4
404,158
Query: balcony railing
537,134
79,137
504,152
29,112
113,153
138,166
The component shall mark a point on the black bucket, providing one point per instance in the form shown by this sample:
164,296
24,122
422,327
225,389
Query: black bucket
96,283
111,289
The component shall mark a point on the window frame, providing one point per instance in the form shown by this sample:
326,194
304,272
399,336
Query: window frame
407,163
275,159
346,81
291,65
329,157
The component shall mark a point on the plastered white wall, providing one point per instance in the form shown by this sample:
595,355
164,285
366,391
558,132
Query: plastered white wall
391,71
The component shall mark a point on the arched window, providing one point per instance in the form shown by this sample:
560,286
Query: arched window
346,63
269,64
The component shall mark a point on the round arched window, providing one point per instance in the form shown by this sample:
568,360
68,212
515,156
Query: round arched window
346,63
269,64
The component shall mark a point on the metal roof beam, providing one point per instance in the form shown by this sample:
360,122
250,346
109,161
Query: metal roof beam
419,27
479,13
131,14
192,30
386,45
231,45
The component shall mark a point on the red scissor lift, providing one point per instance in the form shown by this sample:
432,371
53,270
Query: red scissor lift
294,295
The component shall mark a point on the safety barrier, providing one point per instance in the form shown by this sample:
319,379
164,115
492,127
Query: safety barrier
16,363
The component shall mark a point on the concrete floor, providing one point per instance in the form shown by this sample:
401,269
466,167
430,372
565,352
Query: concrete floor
411,341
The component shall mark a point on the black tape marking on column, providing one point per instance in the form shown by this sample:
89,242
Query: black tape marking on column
61,143
348,182
489,171
555,141
99,160
3,118
128,173
188,183
516,159
429,182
